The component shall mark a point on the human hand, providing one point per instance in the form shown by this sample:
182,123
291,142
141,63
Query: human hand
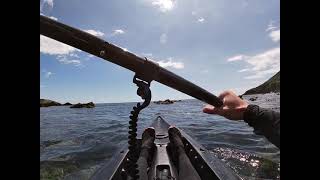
233,107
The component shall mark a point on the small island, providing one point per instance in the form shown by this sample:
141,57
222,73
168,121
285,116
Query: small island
167,101
67,104
48,103
84,105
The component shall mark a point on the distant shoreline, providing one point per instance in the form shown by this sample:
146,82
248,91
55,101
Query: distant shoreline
123,102
278,93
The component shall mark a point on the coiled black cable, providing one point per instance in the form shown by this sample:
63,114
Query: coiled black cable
145,93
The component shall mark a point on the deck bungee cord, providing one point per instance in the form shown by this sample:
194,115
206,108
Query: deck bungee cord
145,93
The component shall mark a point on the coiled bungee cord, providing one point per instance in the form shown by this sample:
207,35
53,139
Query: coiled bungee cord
145,93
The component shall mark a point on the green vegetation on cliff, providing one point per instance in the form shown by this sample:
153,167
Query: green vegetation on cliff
272,85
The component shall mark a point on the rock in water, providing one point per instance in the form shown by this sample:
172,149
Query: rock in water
85,105
48,103
50,142
67,104
167,101
253,98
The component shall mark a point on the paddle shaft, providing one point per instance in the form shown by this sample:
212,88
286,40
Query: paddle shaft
144,69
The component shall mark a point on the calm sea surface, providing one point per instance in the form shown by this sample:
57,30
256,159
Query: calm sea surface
74,142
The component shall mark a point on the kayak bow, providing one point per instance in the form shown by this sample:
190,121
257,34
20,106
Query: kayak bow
207,166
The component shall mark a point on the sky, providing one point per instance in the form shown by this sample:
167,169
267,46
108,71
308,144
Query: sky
216,44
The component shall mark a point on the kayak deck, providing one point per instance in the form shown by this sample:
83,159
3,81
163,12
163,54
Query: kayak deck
163,163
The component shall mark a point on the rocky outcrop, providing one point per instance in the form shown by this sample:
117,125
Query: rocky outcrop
84,105
67,104
49,143
272,85
253,98
167,101
48,103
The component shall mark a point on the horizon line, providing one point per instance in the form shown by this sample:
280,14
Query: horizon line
114,102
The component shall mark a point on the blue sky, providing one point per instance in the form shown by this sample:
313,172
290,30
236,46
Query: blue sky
216,44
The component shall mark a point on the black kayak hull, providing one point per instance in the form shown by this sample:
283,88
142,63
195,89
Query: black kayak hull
207,165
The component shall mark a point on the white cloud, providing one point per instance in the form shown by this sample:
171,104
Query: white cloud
73,55
49,2
88,57
261,65
265,60
118,31
193,13
64,53
275,35
171,63
53,47
163,38
42,86
201,20
95,33
163,5
67,59
274,31
271,27
48,74
262,74
236,58
244,70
